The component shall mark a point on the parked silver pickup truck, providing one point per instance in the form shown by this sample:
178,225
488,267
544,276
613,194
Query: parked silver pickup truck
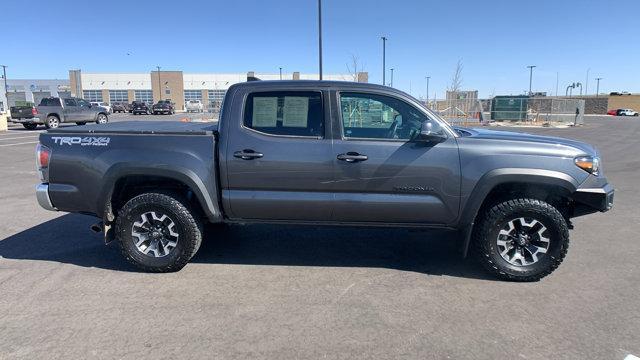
53,111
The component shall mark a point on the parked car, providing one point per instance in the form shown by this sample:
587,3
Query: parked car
23,113
103,104
627,112
613,112
194,106
163,107
53,111
278,156
139,107
119,107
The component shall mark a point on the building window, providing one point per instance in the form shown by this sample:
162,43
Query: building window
215,98
121,96
92,95
192,95
146,96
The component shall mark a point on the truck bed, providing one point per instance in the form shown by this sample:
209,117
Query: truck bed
142,127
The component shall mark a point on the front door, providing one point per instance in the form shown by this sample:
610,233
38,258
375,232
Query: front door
71,110
278,158
382,173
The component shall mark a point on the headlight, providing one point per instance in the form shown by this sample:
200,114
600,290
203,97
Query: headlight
589,164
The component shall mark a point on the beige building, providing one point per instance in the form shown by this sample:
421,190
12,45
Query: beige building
176,86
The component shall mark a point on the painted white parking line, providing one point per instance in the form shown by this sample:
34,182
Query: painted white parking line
20,137
22,143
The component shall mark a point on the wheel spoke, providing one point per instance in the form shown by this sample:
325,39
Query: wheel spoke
155,234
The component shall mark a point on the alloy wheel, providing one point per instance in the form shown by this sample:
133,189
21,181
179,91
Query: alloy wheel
523,241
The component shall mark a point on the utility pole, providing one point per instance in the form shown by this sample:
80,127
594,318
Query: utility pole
320,37
557,80
159,85
427,77
598,86
530,76
281,73
384,55
391,84
6,89
586,83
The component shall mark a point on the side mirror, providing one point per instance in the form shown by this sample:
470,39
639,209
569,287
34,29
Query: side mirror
430,132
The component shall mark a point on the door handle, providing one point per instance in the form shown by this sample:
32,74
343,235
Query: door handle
352,157
247,154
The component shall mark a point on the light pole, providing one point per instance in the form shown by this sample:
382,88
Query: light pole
159,85
320,37
6,89
391,84
280,73
427,77
586,83
598,86
384,55
530,76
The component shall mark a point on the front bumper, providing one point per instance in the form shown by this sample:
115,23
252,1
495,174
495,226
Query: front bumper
592,199
42,194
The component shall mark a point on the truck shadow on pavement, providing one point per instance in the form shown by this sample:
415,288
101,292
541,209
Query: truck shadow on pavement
67,239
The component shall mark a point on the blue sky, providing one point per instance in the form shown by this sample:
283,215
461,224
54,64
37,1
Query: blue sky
496,40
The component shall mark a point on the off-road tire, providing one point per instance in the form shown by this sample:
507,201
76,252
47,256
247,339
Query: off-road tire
52,122
488,226
30,126
189,227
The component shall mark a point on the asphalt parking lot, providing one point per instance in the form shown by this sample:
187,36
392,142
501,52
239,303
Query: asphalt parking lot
299,292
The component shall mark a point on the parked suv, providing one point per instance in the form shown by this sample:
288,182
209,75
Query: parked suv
139,107
163,107
119,107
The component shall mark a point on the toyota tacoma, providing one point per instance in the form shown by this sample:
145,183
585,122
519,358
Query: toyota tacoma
324,153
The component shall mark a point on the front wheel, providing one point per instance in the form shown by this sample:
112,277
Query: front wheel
102,119
30,126
521,239
158,232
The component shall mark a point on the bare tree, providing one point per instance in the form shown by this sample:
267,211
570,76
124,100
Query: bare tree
354,68
456,79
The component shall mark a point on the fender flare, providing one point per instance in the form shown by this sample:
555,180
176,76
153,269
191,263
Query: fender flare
503,176
206,199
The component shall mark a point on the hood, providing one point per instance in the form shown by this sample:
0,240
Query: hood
499,135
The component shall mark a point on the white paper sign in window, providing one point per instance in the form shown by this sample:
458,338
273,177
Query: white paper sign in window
296,111
265,111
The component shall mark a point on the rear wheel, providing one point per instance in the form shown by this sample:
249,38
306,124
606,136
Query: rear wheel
521,239
30,126
102,119
52,122
158,232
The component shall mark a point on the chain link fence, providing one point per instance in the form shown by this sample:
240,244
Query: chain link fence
520,109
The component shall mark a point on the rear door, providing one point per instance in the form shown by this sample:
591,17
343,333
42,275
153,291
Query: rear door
278,156
382,174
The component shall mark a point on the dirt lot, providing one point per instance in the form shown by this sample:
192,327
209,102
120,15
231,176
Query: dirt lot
300,292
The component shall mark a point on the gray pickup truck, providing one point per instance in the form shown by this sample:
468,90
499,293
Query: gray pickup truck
53,111
330,153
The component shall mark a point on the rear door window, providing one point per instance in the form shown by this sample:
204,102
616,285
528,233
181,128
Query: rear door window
285,113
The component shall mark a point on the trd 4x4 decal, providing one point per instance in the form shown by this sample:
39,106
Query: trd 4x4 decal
81,140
